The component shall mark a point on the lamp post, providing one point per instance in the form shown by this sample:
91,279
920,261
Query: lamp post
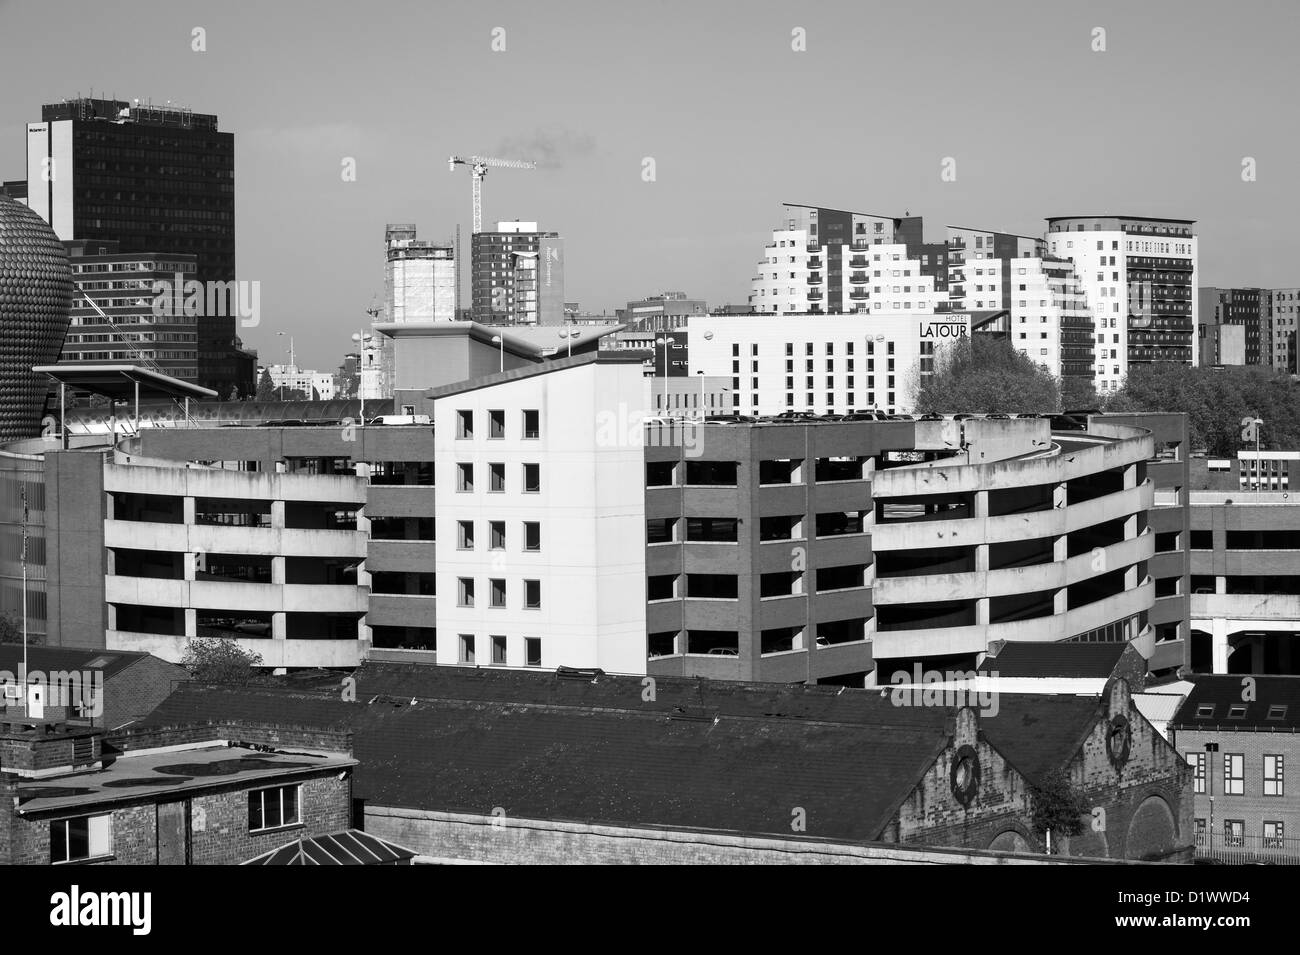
362,338
501,351
708,337
663,342
569,334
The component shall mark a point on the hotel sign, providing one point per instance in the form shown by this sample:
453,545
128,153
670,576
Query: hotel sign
932,330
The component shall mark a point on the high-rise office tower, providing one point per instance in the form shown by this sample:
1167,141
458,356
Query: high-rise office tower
518,275
831,262
1233,326
1283,311
1139,275
153,179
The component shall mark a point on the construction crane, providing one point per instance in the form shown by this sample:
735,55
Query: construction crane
478,167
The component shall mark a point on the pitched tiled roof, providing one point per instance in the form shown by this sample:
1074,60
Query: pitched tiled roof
51,659
594,748
1221,702
1024,658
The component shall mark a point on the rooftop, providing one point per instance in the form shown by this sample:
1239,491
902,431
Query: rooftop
1226,702
1072,660
131,777
588,746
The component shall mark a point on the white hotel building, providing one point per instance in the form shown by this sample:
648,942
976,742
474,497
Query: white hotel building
824,364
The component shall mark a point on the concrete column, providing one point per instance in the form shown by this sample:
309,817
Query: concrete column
1131,577
1220,585
1060,601
277,570
981,504
278,626
277,513
190,565
982,611
191,622
1130,477
1219,645
981,557
188,510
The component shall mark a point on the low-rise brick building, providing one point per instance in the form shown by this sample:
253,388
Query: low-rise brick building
1241,735
216,793
501,765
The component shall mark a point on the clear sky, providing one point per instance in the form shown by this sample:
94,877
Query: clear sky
737,122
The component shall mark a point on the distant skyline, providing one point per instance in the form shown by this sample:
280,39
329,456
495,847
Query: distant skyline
736,121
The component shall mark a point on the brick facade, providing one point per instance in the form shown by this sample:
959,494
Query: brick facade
1253,808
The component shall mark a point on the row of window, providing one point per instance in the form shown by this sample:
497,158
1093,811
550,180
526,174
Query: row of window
497,593
91,837
532,533
498,645
1234,774
1234,833
532,424
532,477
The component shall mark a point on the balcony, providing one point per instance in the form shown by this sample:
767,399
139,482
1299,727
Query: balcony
858,295
814,279
815,295
858,262
857,278
814,262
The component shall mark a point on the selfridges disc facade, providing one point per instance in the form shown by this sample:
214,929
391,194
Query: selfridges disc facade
35,297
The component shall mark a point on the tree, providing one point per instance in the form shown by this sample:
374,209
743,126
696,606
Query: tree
234,394
985,375
1215,401
1078,394
11,631
220,661
1057,807
265,387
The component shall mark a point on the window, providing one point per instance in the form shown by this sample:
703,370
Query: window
497,593
87,837
1197,761
532,651
1234,832
467,648
496,478
496,424
532,594
1274,783
464,424
465,596
496,535
1274,834
532,424
498,650
532,535
273,808
532,478
465,476
465,535
1234,774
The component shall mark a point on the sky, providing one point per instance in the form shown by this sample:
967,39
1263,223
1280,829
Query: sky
736,120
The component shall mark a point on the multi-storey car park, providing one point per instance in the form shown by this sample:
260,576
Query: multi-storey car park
538,521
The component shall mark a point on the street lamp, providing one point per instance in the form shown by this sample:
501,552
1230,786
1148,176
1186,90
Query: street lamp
708,337
363,339
570,334
501,350
663,342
